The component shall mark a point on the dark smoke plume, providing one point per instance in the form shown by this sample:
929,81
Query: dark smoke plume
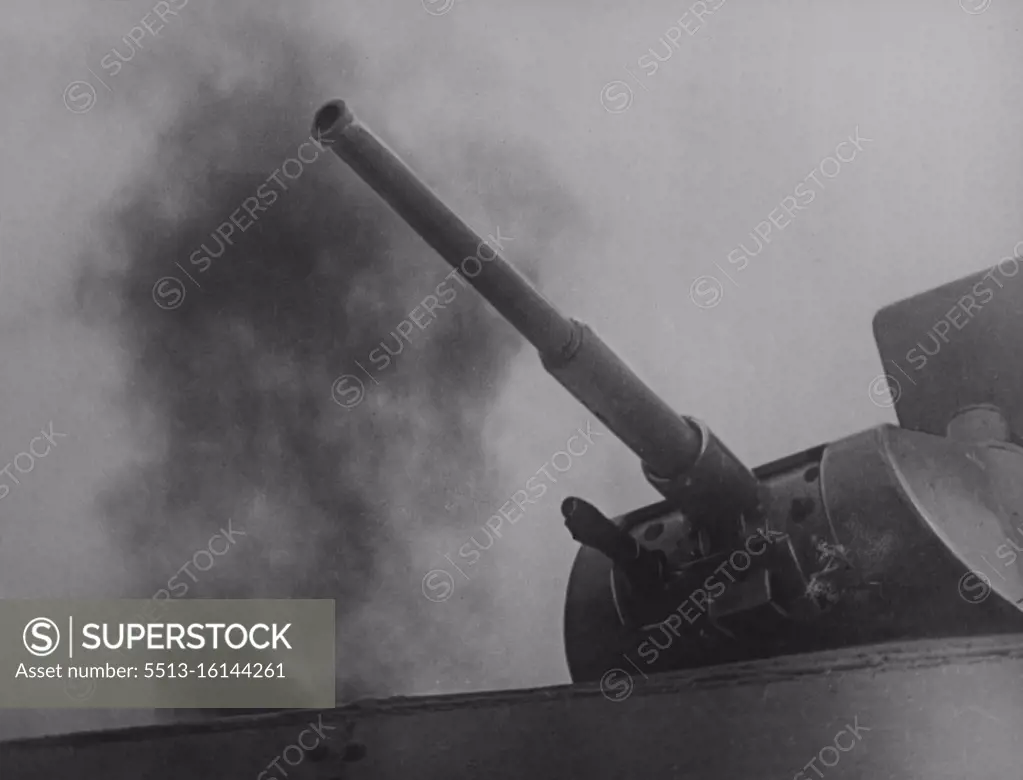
231,391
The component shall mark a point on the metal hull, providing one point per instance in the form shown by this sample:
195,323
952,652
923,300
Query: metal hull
933,710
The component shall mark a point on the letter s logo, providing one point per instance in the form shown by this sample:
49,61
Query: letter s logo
438,580
41,636
616,685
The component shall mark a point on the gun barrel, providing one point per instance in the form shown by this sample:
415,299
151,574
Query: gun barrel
667,443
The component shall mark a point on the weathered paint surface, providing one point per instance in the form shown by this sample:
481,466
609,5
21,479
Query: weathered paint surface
935,710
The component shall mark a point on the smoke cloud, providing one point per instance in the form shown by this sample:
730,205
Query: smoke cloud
233,386
231,344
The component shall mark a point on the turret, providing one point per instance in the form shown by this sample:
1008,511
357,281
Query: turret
867,539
